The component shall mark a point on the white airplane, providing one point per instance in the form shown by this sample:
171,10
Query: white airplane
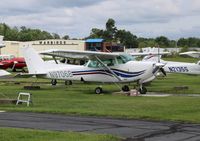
101,67
1,42
193,54
176,67
3,73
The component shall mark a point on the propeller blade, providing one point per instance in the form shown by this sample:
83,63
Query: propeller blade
163,71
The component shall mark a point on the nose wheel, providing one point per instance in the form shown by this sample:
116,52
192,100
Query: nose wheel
98,90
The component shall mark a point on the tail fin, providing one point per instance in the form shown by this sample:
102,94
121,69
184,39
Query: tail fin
34,62
1,42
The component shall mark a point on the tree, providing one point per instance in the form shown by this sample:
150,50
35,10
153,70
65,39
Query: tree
127,38
56,36
109,33
162,41
182,42
66,37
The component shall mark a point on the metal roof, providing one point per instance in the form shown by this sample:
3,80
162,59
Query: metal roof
97,40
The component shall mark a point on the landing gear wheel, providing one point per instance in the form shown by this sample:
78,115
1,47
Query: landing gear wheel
68,82
53,82
98,90
143,90
125,88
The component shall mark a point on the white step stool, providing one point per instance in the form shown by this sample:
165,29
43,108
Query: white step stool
21,94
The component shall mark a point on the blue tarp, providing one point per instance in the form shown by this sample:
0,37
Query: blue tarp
98,40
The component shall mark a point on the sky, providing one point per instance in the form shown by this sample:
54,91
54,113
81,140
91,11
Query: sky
144,18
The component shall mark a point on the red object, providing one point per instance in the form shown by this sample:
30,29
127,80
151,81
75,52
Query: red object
12,62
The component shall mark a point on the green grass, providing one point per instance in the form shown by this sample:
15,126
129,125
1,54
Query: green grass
168,84
10,134
79,99
181,59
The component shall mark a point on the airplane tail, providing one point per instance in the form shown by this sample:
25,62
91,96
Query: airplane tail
34,62
1,42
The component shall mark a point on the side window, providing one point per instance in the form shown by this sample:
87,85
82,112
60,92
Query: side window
119,60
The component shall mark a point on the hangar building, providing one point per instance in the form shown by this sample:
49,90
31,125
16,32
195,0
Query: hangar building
13,47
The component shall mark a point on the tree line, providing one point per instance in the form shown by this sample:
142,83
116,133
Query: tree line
111,33
26,34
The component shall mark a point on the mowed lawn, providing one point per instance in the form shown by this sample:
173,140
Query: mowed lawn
11,134
79,99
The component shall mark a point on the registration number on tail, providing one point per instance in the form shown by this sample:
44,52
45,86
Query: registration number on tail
60,74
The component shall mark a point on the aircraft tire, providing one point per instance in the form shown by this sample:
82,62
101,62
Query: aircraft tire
53,82
98,90
143,90
125,88
68,82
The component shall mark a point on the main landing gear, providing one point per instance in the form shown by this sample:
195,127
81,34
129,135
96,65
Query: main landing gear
53,82
98,90
68,82
125,88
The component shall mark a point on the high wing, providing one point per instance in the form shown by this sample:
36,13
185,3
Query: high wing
91,55
148,53
194,54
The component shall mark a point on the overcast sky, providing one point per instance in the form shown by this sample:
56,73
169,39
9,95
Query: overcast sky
144,18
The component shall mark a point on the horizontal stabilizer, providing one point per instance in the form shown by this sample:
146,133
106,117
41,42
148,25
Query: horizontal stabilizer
3,73
27,75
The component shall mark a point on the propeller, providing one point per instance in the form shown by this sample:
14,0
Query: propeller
161,68
163,71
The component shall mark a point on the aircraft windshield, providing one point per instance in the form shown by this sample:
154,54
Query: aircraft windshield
97,64
122,59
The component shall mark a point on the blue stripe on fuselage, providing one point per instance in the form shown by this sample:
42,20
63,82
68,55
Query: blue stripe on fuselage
120,73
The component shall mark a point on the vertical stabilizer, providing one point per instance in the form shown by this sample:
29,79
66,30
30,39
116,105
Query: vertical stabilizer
34,62
1,42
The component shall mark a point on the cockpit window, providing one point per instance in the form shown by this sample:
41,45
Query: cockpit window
110,62
97,64
124,58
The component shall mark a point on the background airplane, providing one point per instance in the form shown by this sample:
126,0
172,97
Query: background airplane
101,67
176,67
193,54
10,61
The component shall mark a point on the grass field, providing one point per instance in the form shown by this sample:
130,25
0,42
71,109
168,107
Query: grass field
79,99
10,134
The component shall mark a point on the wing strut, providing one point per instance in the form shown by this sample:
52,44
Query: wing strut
108,68
54,58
